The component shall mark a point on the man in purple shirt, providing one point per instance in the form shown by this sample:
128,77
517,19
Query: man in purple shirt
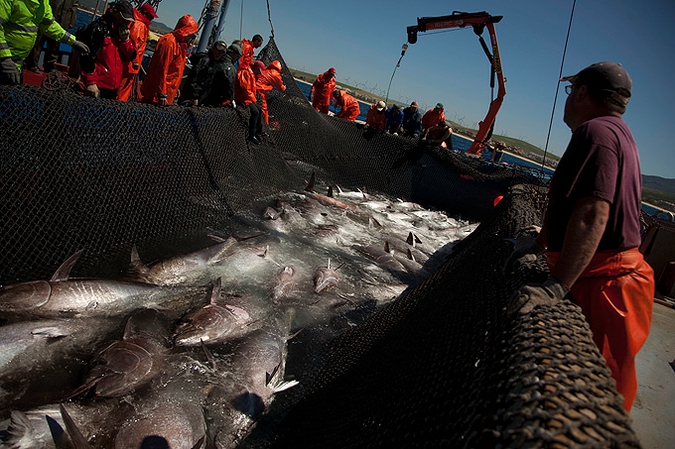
591,231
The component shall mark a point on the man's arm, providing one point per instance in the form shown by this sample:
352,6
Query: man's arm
582,237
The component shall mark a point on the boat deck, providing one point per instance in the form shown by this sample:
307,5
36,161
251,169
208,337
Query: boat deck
653,412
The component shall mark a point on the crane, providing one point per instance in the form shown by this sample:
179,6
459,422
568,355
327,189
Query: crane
479,21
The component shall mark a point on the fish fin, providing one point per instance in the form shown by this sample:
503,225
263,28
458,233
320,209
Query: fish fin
411,239
199,443
417,239
269,377
208,354
310,184
340,191
19,428
79,442
238,312
329,194
62,273
411,256
59,436
285,385
216,291
372,221
387,249
82,388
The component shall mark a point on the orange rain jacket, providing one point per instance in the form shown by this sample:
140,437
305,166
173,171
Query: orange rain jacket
376,119
323,90
165,71
616,294
246,59
349,107
432,118
139,36
269,79
244,86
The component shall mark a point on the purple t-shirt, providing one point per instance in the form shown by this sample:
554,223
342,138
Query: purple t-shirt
601,161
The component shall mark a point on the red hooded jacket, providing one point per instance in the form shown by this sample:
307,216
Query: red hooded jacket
432,118
323,89
165,71
349,107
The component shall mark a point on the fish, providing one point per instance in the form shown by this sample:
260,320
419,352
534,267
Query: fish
65,297
44,427
248,383
403,247
357,195
271,213
41,359
191,268
382,257
323,199
126,364
325,278
285,285
212,323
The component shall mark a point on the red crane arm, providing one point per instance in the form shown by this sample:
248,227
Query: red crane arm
479,21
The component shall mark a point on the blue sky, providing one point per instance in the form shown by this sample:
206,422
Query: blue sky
362,40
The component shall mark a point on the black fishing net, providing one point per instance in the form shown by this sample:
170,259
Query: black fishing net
441,366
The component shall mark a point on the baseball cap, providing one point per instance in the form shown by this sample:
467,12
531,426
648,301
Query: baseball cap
605,76
414,103
146,8
381,105
235,47
332,70
126,10
439,105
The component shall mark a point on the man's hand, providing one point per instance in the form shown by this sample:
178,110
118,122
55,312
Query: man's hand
92,91
162,101
9,71
549,292
123,33
525,249
81,47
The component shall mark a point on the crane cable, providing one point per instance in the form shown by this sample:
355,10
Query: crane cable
557,89
269,17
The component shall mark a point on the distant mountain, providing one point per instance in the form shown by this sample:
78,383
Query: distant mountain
659,183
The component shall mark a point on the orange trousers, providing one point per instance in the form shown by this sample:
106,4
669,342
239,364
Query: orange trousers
616,294
126,88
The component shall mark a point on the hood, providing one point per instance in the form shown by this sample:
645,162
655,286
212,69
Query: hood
186,25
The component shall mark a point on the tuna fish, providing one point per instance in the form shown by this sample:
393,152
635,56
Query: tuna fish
325,278
285,285
39,360
64,297
128,363
323,199
212,323
190,268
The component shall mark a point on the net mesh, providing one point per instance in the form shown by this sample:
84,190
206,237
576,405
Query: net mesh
442,365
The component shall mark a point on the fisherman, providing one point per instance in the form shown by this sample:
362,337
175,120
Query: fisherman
268,78
433,117
245,93
111,48
20,21
591,229
165,71
211,79
412,121
394,119
139,36
349,106
440,135
322,90
64,12
376,119
248,47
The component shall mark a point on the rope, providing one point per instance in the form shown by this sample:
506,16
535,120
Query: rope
555,99
269,17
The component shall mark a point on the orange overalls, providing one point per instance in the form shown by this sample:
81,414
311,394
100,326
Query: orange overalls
349,107
265,82
138,33
616,294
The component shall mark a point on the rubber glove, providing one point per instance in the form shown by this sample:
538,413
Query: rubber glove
550,292
92,91
81,47
525,249
9,71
